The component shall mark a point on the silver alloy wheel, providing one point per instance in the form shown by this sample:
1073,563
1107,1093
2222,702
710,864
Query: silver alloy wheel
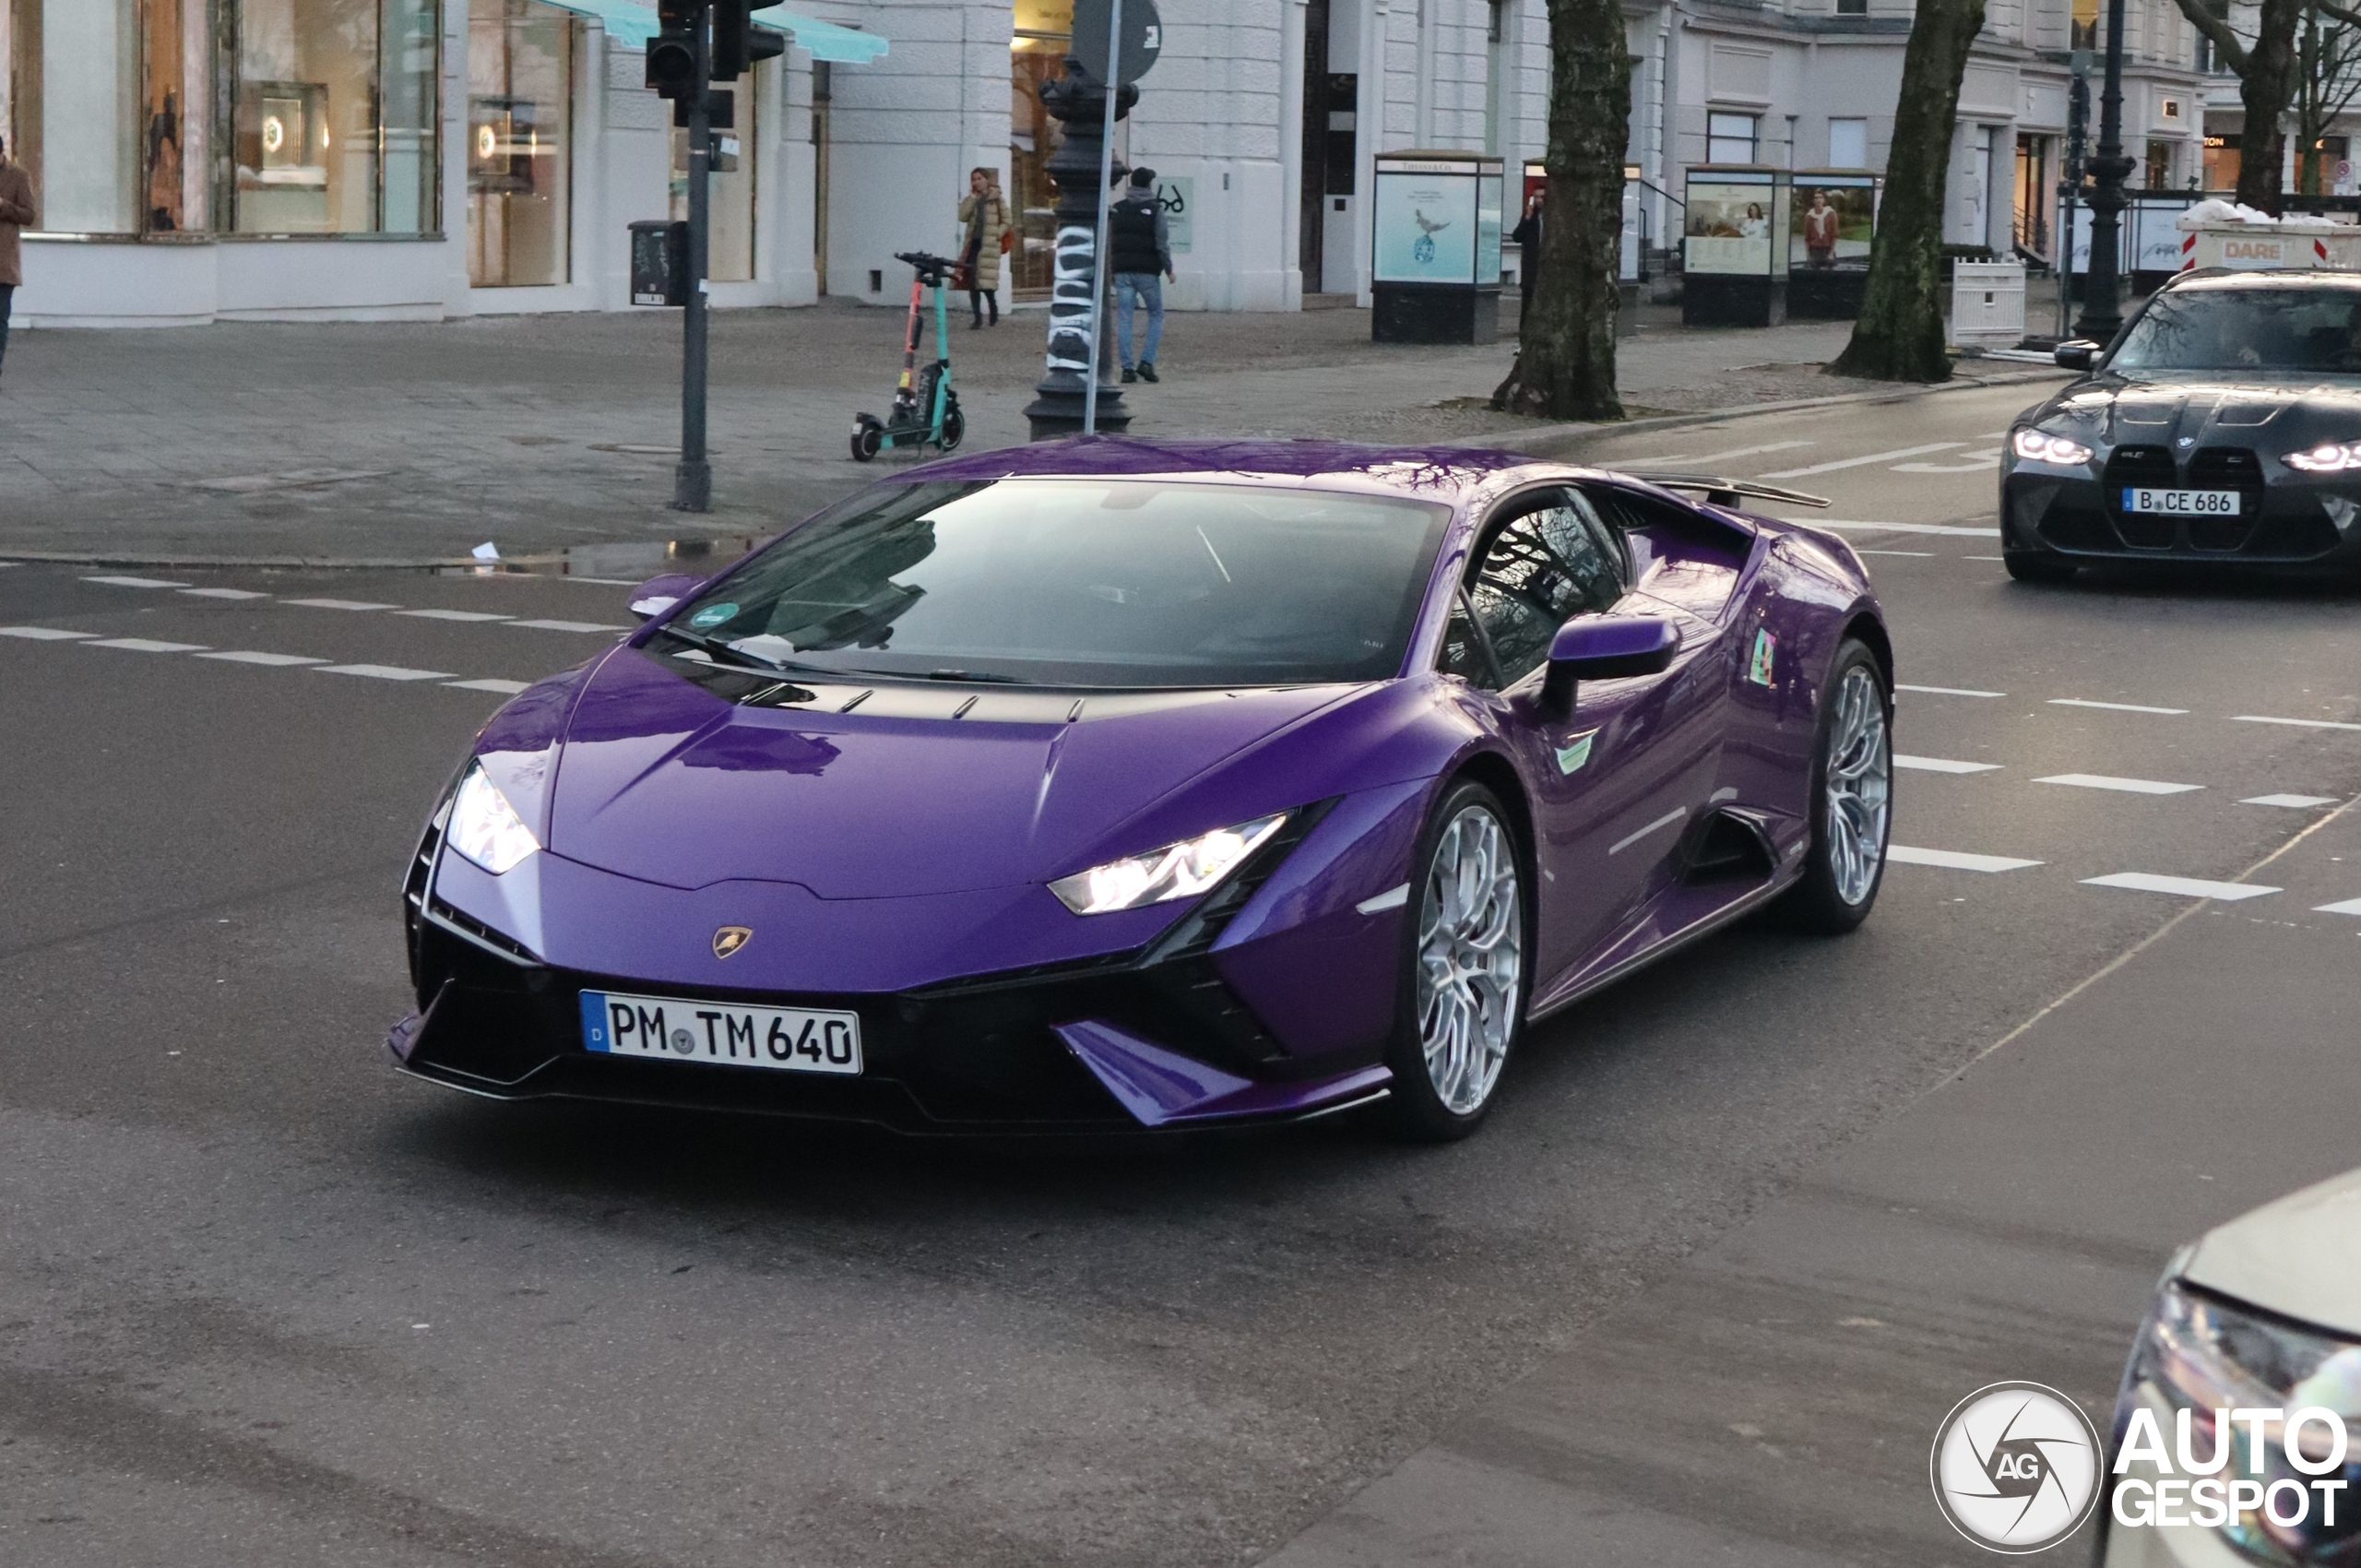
1471,960
1859,775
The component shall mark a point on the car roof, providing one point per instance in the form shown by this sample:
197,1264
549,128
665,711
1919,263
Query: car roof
2219,278
1449,474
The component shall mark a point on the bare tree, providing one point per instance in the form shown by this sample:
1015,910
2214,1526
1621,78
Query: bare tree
2266,68
1899,334
1565,362
2327,79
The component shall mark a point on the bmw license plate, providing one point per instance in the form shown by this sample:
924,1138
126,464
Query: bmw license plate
2182,503
793,1039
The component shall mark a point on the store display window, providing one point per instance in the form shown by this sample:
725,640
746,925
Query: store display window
520,140
1044,31
730,243
74,117
332,124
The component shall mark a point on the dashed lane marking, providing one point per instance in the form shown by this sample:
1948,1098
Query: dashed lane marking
43,634
267,660
362,604
2180,887
144,645
1897,455
1948,691
506,688
134,582
338,605
2294,803
385,671
270,660
1984,558
2298,723
1948,530
2118,707
2124,786
451,614
1942,764
1952,859
223,593
1921,555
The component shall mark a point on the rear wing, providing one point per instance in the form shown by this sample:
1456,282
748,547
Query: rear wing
1727,492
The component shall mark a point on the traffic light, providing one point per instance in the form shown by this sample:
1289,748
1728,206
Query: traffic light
738,43
672,53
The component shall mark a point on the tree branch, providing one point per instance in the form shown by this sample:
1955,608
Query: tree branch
2217,32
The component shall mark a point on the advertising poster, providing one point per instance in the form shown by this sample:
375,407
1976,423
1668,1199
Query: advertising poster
1831,225
1426,224
1488,227
1728,227
1177,194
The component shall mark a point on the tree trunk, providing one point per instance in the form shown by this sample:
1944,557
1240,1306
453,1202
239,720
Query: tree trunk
1565,363
2265,88
1899,335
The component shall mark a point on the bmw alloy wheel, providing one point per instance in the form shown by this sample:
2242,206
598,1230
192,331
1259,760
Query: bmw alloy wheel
1471,960
1859,773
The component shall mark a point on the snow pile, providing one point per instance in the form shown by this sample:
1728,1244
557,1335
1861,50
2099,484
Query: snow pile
2215,210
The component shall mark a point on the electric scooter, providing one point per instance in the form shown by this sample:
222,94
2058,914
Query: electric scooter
926,410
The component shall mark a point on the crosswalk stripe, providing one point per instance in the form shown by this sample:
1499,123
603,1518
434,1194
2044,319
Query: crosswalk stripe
144,645
2124,786
451,614
270,661
1952,860
43,634
136,582
506,688
2298,723
1948,691
338,605
1942,764
1893,457
2298,803
2117,706
2182,886
385,671
570,625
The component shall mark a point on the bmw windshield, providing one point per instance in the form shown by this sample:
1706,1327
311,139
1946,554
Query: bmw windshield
2303,329
1093,582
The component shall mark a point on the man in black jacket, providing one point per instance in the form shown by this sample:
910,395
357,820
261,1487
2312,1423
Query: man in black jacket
1140,247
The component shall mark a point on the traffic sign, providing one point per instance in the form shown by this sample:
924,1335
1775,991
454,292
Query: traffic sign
1143,38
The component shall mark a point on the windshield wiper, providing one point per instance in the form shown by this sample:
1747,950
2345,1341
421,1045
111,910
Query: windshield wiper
983,676
721,652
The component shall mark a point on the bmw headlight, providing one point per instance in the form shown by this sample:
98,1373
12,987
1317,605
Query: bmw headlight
2329,457
2250,1400
485,827
2039,447
1177,871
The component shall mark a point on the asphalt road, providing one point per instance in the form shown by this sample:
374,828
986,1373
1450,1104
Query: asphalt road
1700,1292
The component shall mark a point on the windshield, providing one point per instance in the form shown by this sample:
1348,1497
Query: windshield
1085,582
2287,329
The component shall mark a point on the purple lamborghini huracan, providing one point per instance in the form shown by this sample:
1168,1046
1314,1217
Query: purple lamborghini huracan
1118,784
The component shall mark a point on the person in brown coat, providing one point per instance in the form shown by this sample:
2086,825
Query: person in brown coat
16,215
986,214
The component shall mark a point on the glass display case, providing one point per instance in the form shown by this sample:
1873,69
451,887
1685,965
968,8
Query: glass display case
1435,247
1733,245
1832,220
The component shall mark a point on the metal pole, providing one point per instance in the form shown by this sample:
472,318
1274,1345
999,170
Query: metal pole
693,477
2069,182
1099,260
2102,313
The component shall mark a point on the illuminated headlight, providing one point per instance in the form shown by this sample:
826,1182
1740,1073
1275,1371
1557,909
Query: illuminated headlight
2334,456
2260,1392
1177,871
485,827
2036,447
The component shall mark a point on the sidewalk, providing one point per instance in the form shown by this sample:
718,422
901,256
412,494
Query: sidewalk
413,442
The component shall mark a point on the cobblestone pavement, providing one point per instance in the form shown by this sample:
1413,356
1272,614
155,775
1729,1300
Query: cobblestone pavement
401,442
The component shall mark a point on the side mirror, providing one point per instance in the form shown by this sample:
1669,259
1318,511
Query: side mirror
657,595
1605,647
2075,353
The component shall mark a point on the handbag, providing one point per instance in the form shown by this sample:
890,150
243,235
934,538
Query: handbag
1007,241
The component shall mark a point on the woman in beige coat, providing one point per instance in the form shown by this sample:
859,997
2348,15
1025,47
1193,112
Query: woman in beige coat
986,215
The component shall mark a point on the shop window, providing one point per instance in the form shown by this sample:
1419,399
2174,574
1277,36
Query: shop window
1851,7
1044,31
520,140
2160,166
729,241
333,116
2082,27
1729,138
2222,163
73,110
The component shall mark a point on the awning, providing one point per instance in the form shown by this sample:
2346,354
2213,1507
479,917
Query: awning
632,23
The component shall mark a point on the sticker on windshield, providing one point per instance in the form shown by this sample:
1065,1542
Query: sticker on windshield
1760,664
712,615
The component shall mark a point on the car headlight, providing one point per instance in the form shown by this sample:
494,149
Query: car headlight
2329,457
1177,871
2039,447
485,827
2205,1355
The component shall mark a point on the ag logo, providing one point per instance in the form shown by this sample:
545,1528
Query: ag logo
2016,1467
730,938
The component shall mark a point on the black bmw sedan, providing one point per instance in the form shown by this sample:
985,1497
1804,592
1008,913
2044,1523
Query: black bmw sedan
2223,426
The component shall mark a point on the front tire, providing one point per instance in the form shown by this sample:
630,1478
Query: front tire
1463,992
1852,797
955,428
2031,566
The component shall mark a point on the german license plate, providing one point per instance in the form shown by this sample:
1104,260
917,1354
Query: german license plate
790,1039
2182,503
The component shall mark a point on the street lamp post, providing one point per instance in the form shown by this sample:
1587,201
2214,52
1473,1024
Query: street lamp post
2102,313
1064,396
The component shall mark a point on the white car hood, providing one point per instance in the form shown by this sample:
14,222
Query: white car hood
2299,1256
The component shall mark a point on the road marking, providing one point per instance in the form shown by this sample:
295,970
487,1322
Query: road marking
41,633
2349,907
2116,707
1895,455
1984,558
1952,859
570,625
2298,723
1989,458
1948,530
2127,786
1948,691
338,605
385,671
1716,457
1922,554
2183,886
273,661
451,614
223,593
1631,838
144,645
136,582
2297,802
1942,764
506,688
1391,898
